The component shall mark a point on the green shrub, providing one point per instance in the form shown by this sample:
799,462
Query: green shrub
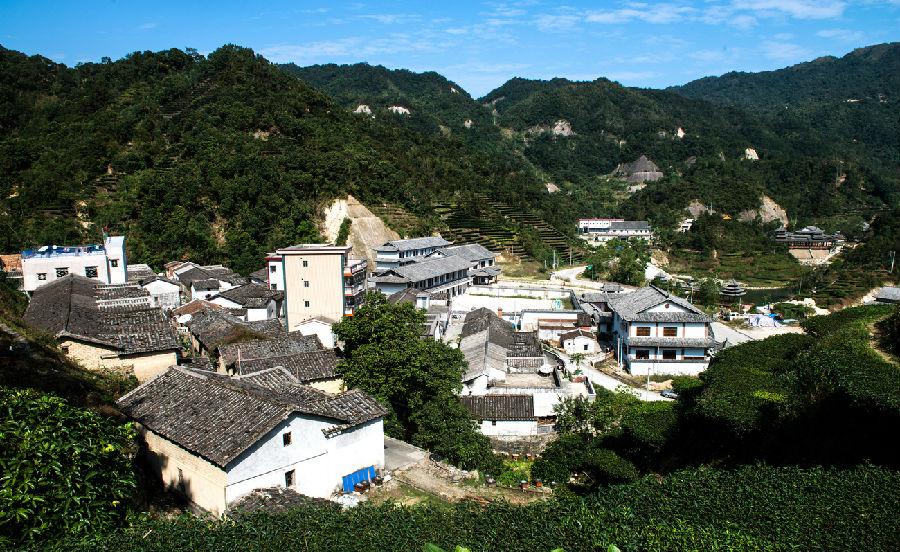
65,471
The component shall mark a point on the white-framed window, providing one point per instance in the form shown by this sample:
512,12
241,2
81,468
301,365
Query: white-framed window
272,268
305,264
114,263
305,283
306,304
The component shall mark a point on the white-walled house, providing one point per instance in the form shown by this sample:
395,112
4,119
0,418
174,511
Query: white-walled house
215,438
275,268
579,341
164,294
318,326
398,252
659,333
104,262
255,301
503,415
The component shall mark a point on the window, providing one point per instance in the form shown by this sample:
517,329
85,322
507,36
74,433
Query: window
670,331
42,275
305,264
180,480
642,354
306,304
289,478
272,268
114,263
305,283
668,354
286,438
60,272
493,422
273,286
585,347
90,271
642,331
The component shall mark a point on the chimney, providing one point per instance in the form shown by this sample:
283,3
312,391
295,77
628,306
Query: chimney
500,313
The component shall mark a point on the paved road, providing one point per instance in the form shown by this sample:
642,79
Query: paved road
400,455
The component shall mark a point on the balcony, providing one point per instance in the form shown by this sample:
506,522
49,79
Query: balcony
351,291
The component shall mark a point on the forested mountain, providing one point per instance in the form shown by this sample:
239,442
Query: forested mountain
215,159
436,105
575,134
855,100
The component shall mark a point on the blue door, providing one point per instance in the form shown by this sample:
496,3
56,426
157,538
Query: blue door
365,474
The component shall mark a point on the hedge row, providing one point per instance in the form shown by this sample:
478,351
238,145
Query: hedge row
755,508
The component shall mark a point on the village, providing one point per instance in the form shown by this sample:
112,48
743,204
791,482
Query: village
240,393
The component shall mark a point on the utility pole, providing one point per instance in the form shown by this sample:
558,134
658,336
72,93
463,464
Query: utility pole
892,254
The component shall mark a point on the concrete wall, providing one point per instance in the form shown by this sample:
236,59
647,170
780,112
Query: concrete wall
643,367
202,482
97,357
319,463
325,292
511,291
276,276
498,428
75,264
316,327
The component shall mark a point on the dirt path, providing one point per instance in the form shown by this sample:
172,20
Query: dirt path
427,481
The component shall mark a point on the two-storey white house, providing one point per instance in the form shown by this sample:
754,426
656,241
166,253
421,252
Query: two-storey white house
104,262
398,252
656,332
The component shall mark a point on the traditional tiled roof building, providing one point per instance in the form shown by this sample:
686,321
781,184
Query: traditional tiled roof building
216,438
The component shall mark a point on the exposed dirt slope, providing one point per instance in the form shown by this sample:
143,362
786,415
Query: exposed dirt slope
366,231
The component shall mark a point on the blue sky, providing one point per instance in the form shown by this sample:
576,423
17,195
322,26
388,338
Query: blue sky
479,45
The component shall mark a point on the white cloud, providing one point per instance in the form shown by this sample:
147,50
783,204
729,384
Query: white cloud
392,19
842,34
782,51
799,9
555,23
146,26
658,14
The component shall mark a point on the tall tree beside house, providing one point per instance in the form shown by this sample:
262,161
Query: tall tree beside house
416,378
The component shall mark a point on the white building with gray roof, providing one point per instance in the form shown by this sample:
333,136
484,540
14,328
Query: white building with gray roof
656,332
396,252
215,438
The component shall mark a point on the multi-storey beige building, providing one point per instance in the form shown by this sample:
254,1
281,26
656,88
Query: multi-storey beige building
321,281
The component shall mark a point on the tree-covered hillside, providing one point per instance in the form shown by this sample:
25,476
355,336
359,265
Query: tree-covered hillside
700,147
855,100
436,105
216,159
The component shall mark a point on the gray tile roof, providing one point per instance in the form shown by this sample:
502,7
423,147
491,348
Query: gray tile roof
273,500
500,407
486,340
219,417
577,333
412,244
207,284
471,252
212,326
305,367
251,296
481,355
408,295
888,294
632,306
693,342
262,274
431,268
286,345
72,307
629,225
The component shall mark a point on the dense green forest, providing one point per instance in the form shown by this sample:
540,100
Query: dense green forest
853,99
214,159
816,176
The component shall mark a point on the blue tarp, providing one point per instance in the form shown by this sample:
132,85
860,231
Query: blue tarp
365,474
